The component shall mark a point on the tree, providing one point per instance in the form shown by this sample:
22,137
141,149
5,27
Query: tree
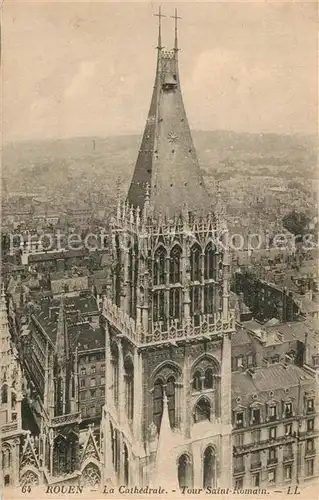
296,222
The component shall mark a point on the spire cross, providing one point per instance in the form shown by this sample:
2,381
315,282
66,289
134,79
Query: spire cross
175,17
159,15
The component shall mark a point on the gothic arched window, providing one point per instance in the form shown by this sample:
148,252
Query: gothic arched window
159,266
158,395
6,456
116,450
210,262
129,388
209,467
175,303
195,301
158,306
208,380
197,381
112,443
170,393
185,471
115,373
126,466
195,263
202,410
209,299
4,394
175,265
13,401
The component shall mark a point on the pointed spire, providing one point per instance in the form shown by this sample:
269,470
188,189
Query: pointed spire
167,158
61,343
164,453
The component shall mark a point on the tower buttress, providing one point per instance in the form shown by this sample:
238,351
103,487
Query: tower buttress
10,401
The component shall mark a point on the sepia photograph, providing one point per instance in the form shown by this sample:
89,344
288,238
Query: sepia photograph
159,281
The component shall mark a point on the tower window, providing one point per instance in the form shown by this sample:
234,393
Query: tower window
170,393
195,263
175,265
209,299
197,381
185,473
158,306
4,394
175,303
210,262
195,301
209,467
159,266
115,373
158,403
129,388
202,410
208,380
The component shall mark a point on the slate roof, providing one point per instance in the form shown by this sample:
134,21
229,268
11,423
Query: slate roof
240,337
273,378
86,305
85,337
167,160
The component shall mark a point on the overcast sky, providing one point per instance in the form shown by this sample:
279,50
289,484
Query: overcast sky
82,69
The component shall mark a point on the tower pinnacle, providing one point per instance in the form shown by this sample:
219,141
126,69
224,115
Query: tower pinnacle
159,15
176,17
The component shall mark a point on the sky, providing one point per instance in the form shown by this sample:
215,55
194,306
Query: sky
87,68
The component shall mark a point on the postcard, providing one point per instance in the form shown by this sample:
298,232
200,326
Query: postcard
159,250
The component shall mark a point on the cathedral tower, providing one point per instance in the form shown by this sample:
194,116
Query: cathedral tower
167,321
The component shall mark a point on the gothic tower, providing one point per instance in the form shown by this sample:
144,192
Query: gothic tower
167,321
10,403
62,426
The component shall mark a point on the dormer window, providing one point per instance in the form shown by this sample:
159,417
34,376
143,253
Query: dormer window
272,413
250,360
310,405
288,410
239,362
255,416
239,420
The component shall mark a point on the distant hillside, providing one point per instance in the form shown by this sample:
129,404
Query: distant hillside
79,165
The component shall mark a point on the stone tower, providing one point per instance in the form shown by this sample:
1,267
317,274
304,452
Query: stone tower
10,403
167,321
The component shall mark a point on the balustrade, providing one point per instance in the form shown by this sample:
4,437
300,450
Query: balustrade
168,331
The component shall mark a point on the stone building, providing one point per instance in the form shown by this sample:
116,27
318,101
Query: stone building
274,426
265,300
167,321
76,320
41,407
